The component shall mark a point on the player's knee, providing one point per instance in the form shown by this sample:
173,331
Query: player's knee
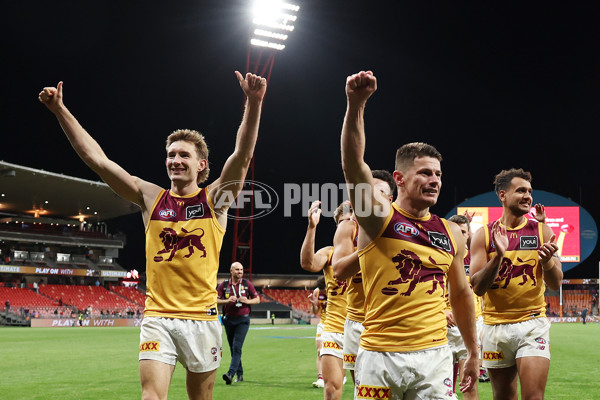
331,391
151,395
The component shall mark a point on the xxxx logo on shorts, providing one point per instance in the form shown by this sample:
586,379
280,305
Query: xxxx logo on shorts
350,358
493,355
149,346
373,392
331,345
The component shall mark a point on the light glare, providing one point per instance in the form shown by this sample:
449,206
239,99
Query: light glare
277,17
269,34
263,43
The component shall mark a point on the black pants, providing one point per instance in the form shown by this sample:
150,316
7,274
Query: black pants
236,329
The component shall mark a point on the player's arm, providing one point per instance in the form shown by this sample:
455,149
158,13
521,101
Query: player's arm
316,261
309,260
344,260
236,166
125,185
370,209
550,262
484,271
463,310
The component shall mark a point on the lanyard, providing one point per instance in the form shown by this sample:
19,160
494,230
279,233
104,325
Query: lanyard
233,289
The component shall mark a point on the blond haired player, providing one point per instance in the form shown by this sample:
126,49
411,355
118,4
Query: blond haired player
184,231
406,256
512,261
332,337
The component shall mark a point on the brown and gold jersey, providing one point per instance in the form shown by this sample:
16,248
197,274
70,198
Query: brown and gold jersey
356,292
404,276
183,241
517,293
476,299
336,299
323,305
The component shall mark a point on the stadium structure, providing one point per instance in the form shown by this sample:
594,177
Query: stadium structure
59,263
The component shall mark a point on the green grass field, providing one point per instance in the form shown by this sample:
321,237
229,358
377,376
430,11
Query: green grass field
101,363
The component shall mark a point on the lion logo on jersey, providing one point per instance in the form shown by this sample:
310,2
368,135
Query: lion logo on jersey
173,243
412,270
508,271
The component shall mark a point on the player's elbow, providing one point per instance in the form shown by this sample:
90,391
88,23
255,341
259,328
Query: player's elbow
308,266
478,288
339,274
554,284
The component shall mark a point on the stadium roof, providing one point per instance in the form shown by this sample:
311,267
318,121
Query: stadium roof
37,193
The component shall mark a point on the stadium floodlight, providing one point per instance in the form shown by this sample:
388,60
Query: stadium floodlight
274,20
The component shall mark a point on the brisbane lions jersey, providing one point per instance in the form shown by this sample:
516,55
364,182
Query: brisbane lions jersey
476,299
336,299
356,293
183,241
404,274
323,305
517,293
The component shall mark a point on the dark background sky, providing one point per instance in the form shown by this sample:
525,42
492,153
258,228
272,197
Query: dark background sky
491,86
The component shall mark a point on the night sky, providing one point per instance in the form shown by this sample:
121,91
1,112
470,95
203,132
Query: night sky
491,86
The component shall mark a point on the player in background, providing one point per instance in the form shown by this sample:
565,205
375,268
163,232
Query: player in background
512,261
345,243
454,339
318,301
333,331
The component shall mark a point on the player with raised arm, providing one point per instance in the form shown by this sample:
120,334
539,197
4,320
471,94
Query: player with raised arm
333,332
184,227
406,256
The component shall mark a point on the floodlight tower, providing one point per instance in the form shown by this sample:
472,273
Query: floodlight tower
272,23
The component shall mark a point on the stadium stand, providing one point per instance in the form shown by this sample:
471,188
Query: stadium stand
296,298
130,293
25,297
574,301
85,297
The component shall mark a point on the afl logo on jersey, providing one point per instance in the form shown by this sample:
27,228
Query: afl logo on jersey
167,214
406,229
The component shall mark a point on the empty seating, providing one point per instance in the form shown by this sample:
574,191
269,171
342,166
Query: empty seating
83,297
297,298
20,297
130,293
